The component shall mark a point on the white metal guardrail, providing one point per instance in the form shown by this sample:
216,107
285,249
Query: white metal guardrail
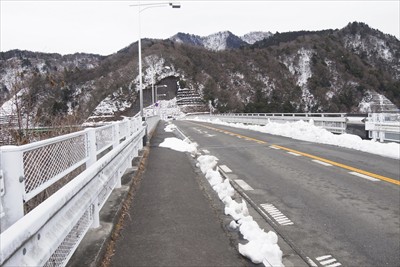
49,234
383,126
379,126
333,122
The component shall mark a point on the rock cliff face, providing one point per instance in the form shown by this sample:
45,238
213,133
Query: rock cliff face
355,69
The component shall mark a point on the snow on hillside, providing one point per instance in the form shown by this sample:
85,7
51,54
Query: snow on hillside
9,76
379,46
216,41
9,107
110,104
299,66
374,102
253,37
219,41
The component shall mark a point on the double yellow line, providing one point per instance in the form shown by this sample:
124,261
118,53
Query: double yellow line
340,165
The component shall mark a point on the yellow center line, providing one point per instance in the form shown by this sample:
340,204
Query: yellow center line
235,134
340,165
377,176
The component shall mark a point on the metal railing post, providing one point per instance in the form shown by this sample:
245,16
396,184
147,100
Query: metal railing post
12,176
115,135
90,143
144,123
96,214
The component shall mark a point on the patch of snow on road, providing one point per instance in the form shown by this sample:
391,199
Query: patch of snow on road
169,128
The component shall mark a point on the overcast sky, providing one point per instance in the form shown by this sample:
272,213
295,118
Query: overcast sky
104,27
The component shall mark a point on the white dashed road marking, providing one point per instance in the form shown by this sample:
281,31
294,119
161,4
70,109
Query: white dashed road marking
274,147
225,169
276,214
294,154
243,185
321,162
364,176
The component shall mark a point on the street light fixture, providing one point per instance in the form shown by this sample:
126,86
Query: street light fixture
146,6
175,5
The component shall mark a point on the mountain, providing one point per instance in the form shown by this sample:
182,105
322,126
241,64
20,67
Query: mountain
354,69
27,64
253,37
220,40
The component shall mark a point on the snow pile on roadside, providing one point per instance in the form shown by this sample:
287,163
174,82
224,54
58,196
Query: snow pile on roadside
179,145
307,131
262,247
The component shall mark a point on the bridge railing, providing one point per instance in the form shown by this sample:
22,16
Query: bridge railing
94,160
333,122
383,126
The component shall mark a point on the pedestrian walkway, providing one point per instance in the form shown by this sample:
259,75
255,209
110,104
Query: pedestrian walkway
171,222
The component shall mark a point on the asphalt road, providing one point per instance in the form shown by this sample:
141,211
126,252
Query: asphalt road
339,206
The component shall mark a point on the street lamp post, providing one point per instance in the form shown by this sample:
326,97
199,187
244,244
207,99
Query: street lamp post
146,6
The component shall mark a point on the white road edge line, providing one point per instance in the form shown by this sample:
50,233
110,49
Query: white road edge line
364,176
243,185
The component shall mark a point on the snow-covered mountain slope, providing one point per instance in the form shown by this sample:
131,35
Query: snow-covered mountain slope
355,69
220,40
253,37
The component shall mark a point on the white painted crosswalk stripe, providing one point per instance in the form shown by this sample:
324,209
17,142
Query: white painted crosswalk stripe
328,261
276,214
